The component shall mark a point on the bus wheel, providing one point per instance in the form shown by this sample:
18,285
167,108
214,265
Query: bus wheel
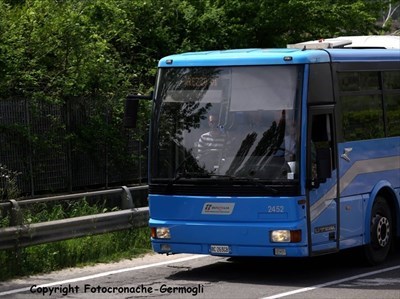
381,232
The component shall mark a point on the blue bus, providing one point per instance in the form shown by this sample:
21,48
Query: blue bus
291,152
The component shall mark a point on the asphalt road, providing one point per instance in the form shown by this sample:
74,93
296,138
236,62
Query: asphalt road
193,276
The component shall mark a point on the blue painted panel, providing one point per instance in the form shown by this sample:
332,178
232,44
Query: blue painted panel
322,226
250,209
371,161
244,57
275,56
372,165
226,233
245,227
351,219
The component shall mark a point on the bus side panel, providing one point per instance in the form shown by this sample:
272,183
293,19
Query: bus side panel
369,164
352,223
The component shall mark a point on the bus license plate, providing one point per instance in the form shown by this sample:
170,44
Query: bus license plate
220,249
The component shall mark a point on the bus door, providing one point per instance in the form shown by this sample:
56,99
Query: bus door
323,202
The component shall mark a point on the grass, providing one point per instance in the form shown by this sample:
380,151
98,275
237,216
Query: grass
78,252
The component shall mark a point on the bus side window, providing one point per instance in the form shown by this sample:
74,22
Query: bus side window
321,148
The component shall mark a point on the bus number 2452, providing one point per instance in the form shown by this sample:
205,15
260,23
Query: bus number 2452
276,209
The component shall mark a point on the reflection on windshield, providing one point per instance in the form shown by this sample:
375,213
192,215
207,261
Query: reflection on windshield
226,122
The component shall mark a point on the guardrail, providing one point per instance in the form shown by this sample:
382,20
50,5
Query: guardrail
20,235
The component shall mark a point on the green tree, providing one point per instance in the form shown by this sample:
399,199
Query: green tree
58,54
272,23
390,19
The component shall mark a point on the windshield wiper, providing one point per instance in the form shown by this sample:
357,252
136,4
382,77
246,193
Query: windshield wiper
196,175
188,175
184,175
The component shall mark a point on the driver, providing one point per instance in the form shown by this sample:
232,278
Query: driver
213,141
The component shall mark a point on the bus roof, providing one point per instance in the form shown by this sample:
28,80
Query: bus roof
282,56
354,42
373,41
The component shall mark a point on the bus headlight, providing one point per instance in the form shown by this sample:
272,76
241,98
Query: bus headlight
160,233
285,236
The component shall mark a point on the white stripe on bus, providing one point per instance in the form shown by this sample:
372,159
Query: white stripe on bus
359,167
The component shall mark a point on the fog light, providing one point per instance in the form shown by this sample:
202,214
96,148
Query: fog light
165,247
285,236
280,251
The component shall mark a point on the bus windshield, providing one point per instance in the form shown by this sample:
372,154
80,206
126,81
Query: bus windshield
226,123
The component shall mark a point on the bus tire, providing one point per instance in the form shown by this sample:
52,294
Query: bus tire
381,232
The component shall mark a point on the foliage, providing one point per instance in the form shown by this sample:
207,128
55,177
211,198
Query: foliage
8,183
389,15
75,252
67,56
271,23
58,50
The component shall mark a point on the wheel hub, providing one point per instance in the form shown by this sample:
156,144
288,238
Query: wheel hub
383,231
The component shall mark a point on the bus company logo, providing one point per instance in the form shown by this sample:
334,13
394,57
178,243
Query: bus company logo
218,208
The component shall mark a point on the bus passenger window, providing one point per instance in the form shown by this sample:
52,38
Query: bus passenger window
362,117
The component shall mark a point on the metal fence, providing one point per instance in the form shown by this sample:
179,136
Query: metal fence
67,147
20,234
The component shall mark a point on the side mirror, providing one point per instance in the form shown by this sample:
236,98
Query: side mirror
131,109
